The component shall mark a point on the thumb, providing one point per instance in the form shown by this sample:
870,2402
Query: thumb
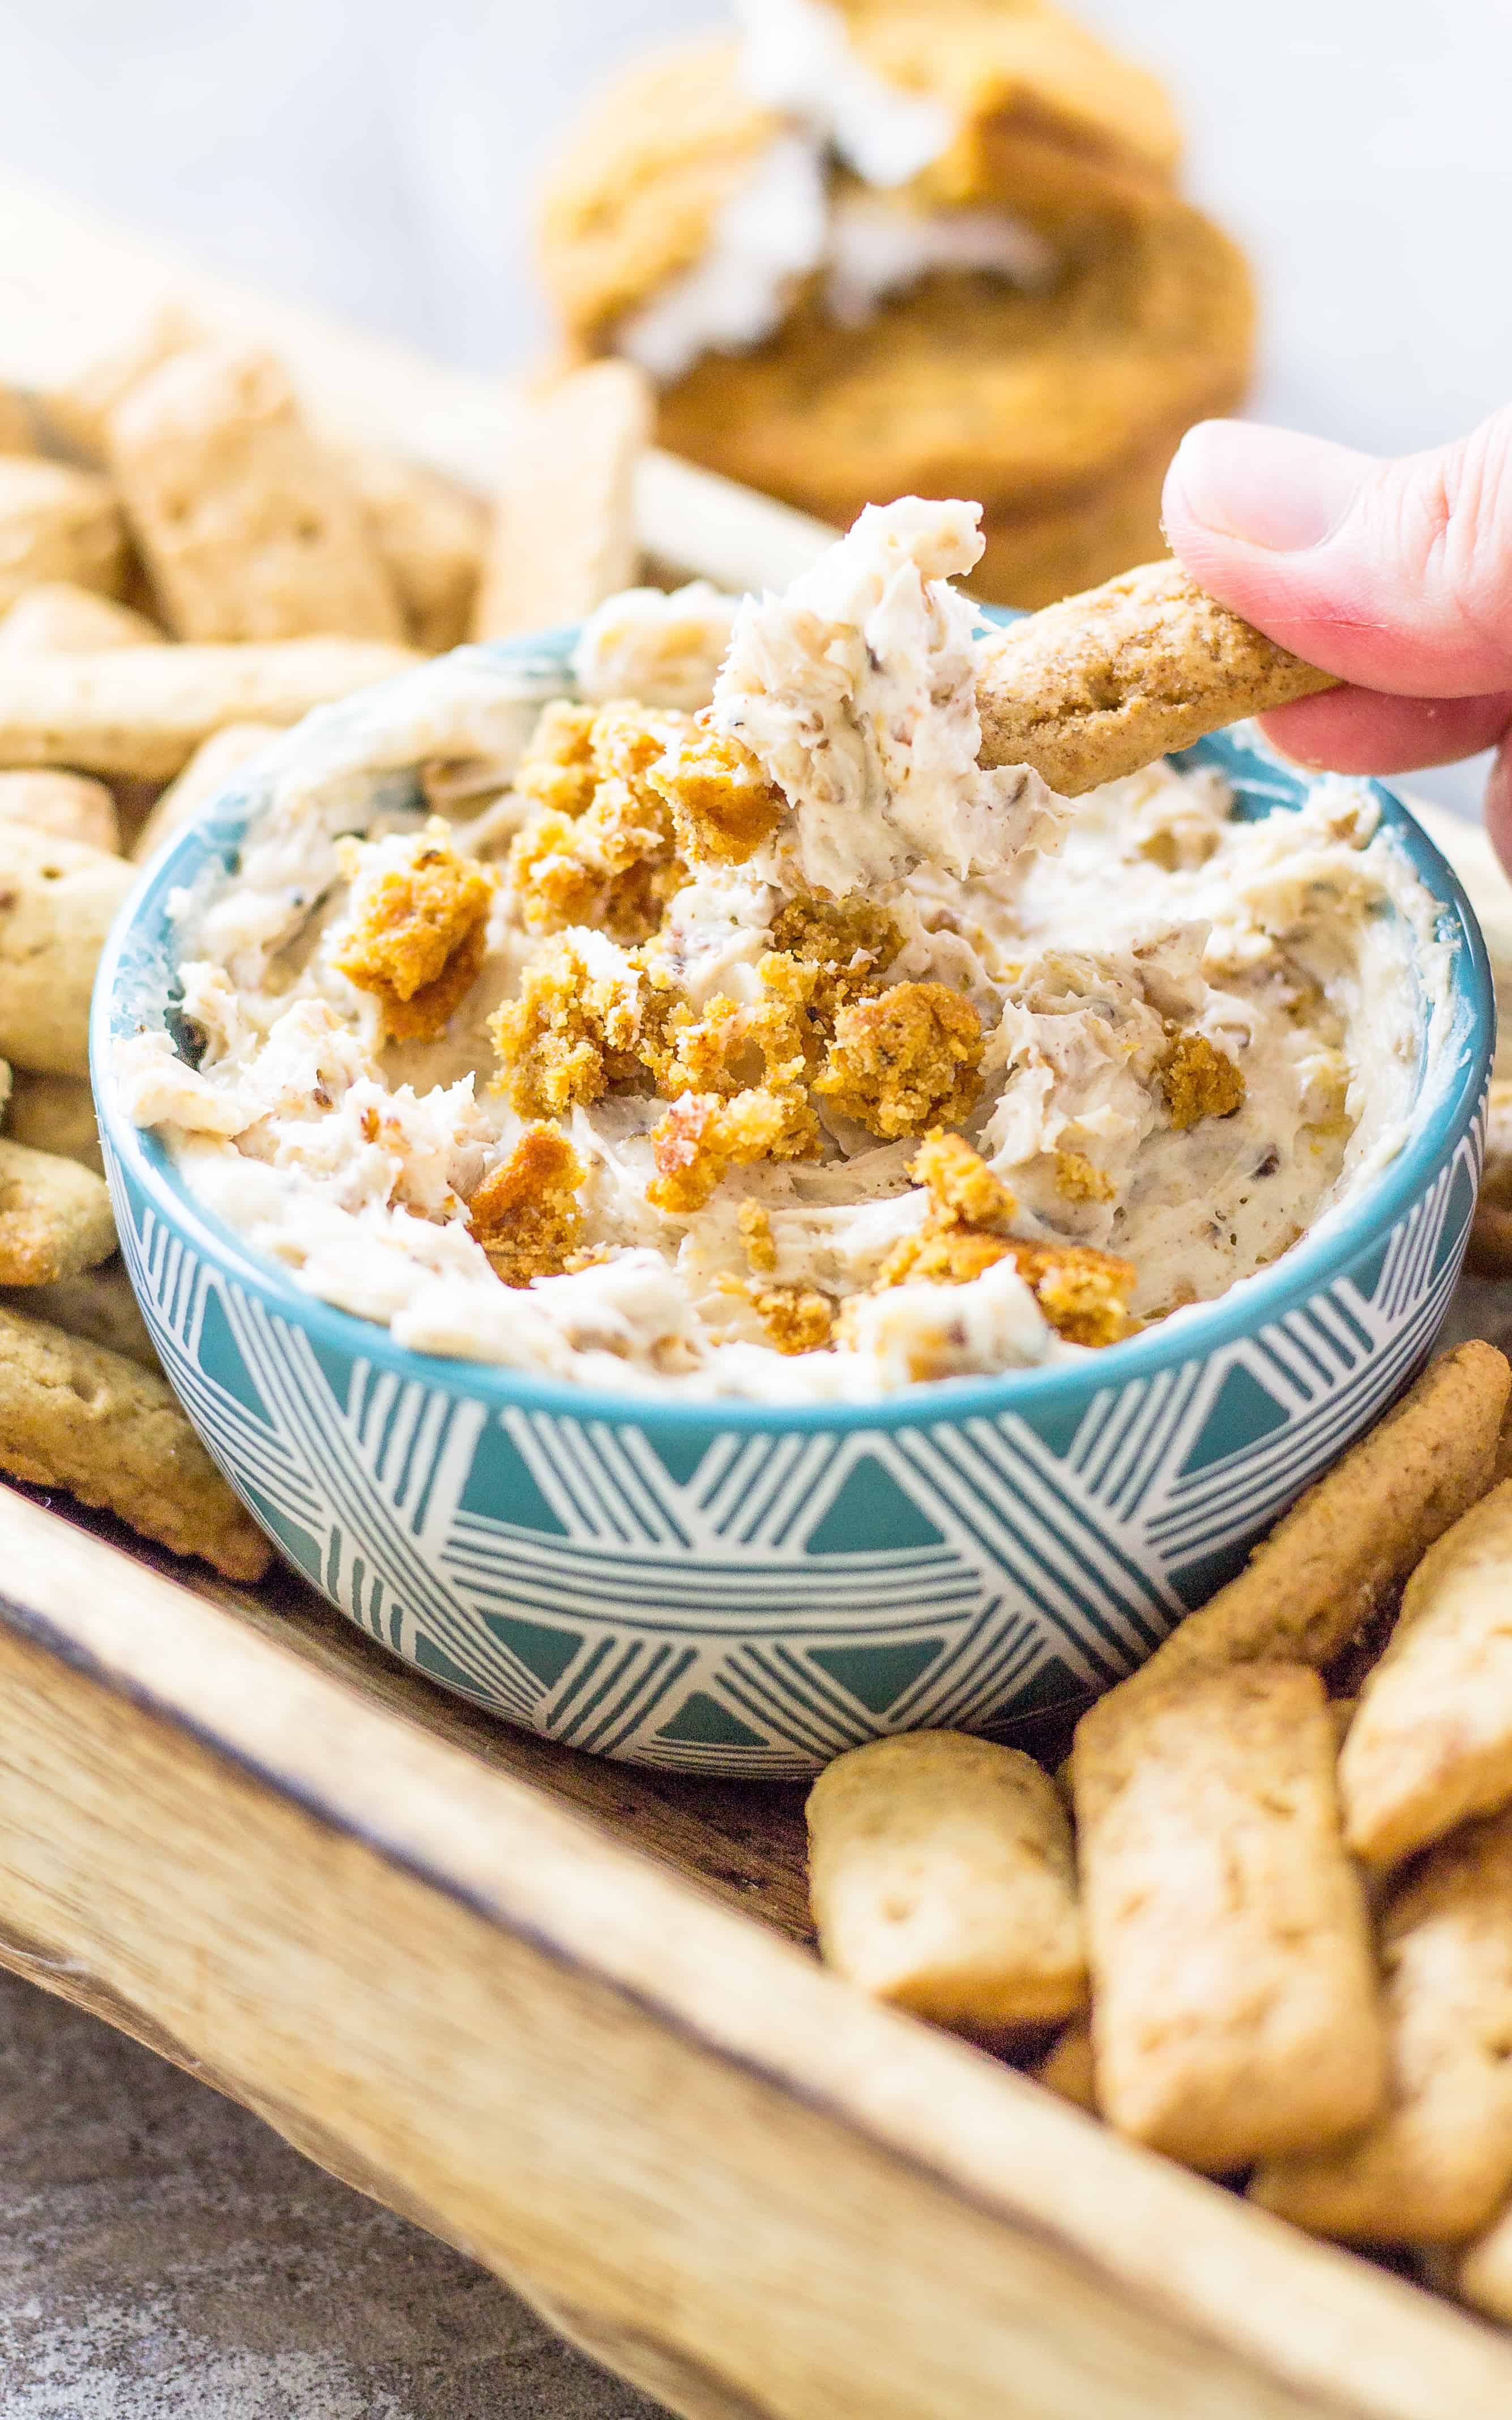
1395,575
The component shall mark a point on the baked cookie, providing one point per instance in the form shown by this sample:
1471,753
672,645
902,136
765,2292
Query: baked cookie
1023,110
1059,410
1046,120
632,201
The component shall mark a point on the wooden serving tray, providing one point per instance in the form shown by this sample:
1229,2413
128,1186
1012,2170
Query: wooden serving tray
564,2013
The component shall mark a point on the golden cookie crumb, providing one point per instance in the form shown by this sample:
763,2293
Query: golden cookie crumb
755,1223
526,1214
796,1318
946,1255
604,854
713,1052
1199,1080
721,803
826,953
416,936
904,1061
1083,1293
557,769
701,1136
1080,1179
569,1034
960,1182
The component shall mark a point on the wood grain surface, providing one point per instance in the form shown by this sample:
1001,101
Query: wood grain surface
431,1959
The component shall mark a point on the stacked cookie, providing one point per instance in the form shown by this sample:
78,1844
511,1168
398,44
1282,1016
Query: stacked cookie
890,246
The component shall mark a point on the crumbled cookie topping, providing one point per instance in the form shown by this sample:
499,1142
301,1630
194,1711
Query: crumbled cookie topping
569,1035
701,1137
905,1060
1083,1293
415,932
722,805
798,1319
604,854
1199,1081
526,1212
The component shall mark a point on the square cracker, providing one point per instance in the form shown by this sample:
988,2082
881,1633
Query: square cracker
1234,1999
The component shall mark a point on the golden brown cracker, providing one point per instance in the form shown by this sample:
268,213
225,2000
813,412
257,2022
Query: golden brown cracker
17,432
1037,403
1431,1741
430,535
1482,2274
1068,2067
140,712
632,199
1348,1543
563,535
98,1305
62,806
207,771
54,1217
1234,1998
76,1416
1106,682
55,1114
77,410
246,526
57,524
1436,2165
942,1879
57,902
58,616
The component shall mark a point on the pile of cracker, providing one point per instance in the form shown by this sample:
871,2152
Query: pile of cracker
1053,387
1274,1938
187,566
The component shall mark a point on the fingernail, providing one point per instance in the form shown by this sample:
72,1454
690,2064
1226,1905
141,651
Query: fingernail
1268,487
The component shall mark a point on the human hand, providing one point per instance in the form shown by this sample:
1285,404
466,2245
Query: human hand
1395,575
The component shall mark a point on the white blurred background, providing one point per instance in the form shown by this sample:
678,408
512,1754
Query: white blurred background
378,157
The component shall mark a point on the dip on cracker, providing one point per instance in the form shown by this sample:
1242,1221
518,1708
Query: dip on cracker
742,1032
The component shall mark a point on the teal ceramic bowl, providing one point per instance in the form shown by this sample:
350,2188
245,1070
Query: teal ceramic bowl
740,1589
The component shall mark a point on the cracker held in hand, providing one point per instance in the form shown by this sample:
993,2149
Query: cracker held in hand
565,529
1431,1741
1234,1999
1349,1542
54,1217
57,902
139,713
1437,2165
1108,681
942,1879
73,1414
245,523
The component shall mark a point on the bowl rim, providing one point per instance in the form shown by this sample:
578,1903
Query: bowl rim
1263,1300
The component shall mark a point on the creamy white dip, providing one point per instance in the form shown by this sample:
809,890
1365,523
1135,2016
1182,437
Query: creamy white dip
1301,947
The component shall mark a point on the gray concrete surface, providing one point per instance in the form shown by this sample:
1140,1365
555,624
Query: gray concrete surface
164,2256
